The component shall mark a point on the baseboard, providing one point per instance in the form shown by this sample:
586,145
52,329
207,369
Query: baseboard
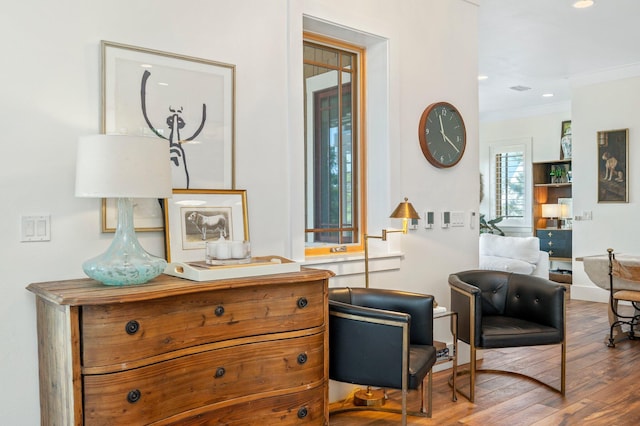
590,294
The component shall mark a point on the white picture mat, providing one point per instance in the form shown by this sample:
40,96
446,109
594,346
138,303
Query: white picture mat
182,243
175,83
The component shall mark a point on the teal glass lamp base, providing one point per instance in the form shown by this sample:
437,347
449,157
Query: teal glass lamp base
125,262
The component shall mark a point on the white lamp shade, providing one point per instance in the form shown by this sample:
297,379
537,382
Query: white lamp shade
115,166
550,210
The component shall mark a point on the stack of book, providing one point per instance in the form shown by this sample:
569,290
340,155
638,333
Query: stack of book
442,351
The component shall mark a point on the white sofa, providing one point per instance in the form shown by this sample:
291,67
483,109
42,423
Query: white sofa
513,254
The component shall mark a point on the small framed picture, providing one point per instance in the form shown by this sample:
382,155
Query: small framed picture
147,214
565,140
195,216
566,212
613,166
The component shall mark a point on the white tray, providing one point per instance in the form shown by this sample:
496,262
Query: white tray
201,271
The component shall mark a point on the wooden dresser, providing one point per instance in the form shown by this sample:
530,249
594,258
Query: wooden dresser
244,351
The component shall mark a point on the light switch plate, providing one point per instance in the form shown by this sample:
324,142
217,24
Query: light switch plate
429,219
35,228
457,218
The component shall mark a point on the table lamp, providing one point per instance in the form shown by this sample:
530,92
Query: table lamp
123,167
404,211
552,212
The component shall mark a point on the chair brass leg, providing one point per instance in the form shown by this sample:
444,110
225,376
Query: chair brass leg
563,368
430,410
404,407
472,372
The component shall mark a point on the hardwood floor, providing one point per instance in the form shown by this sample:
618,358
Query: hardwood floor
602,388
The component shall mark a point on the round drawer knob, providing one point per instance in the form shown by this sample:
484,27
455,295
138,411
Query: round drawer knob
302,359
132,327
220,372
303,412
134,396
219,311
302,302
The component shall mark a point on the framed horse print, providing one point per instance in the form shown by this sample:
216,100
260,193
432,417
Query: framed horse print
195,216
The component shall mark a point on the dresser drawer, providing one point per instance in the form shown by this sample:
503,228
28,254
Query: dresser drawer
556,242
115,334
300,408
204,381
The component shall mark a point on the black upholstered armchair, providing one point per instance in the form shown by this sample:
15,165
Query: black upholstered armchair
382,338
501,309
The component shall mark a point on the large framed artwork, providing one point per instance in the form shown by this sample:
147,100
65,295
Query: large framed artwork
613,166
185,102
194,217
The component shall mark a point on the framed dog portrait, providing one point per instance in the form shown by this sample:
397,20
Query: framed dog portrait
613,166
195,216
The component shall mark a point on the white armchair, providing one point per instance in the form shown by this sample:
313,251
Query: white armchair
513,254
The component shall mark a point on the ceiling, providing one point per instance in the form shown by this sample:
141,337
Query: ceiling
548,45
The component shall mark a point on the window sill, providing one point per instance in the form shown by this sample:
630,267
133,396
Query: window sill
352,264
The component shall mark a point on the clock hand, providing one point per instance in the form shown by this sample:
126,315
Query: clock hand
445,137
449,140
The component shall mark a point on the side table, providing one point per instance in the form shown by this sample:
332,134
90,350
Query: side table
453,357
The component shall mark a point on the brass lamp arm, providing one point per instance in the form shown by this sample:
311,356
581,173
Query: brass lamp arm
382,237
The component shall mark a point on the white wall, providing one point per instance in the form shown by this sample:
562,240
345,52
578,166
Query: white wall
594,107
544,133
50,96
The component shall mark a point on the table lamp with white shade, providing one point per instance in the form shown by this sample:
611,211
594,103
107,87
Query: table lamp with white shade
123,167
552,212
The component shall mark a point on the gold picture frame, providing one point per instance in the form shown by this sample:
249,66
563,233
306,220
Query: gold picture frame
186,234
613,166
186,102
566,140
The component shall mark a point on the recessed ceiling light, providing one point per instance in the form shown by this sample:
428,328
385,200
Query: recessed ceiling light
547,95
520,88
581,4
483,77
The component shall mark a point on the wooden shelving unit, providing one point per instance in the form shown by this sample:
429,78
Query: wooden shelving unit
547,189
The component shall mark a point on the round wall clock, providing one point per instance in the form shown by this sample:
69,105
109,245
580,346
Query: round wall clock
442,134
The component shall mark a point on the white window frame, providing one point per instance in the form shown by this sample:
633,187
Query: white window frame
512,145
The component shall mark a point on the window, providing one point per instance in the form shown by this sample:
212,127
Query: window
510,181
510,192
333,169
